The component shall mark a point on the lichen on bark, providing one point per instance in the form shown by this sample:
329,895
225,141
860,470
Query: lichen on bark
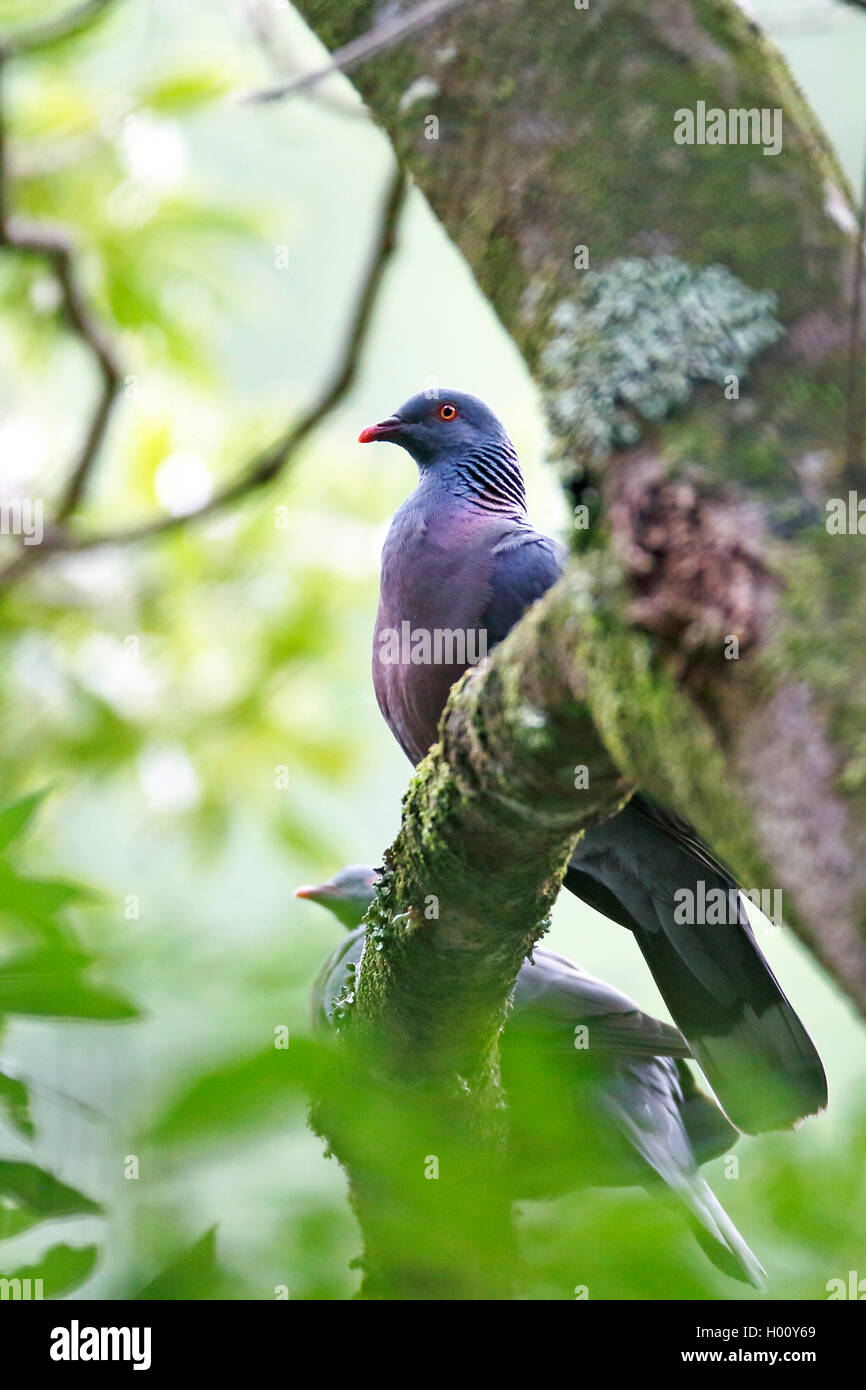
633,343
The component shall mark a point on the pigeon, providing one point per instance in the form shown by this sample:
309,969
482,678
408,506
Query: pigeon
463,561
599,1093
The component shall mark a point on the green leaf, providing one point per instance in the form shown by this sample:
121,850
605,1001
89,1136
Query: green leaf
15,1104
246,1093
29,1195
186,1276
49,984
39,900
180,91
61,1269
17,815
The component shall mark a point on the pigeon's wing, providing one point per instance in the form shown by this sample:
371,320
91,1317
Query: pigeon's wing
554,997
710,1133
594,891
525,564
678,828
335,977
721,992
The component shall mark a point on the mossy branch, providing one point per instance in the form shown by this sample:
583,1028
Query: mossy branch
489,822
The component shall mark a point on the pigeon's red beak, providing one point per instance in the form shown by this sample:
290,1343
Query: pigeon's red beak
313,891
384,430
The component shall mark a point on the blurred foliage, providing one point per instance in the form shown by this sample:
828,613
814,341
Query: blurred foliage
200,705
194,1274
168,264
800,1201
62,1269
173,695
42,972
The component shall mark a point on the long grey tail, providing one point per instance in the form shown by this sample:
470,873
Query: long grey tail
645,1105
719,1238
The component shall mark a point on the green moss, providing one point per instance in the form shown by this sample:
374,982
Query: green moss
822,620
661,741
500,265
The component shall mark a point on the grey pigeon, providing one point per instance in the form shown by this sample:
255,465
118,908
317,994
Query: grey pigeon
461,555
599,1094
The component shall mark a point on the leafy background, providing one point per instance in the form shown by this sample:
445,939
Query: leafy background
153,691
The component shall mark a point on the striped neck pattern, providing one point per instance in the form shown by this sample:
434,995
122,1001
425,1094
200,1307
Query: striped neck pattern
490,478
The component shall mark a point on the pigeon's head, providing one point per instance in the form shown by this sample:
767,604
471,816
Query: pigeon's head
438,424
348,894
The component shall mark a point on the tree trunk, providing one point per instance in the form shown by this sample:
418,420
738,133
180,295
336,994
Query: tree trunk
687,311
556,130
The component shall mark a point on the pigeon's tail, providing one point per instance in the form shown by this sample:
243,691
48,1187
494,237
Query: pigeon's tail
743,1032
691,924
719,1238
647,1104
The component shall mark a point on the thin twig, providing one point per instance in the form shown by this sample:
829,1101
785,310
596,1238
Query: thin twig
54,246
377,40
261,19
57,249
265,466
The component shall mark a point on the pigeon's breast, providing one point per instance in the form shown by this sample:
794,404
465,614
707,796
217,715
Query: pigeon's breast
435,585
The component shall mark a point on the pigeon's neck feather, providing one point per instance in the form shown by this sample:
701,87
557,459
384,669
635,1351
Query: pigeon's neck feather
486,480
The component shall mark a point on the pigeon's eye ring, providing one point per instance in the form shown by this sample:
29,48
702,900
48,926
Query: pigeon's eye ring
448,412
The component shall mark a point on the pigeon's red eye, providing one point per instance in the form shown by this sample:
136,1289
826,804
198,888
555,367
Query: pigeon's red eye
447,412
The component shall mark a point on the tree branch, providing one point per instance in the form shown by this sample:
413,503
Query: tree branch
855,388
54,246
489,822
270,462
379,39
263,21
